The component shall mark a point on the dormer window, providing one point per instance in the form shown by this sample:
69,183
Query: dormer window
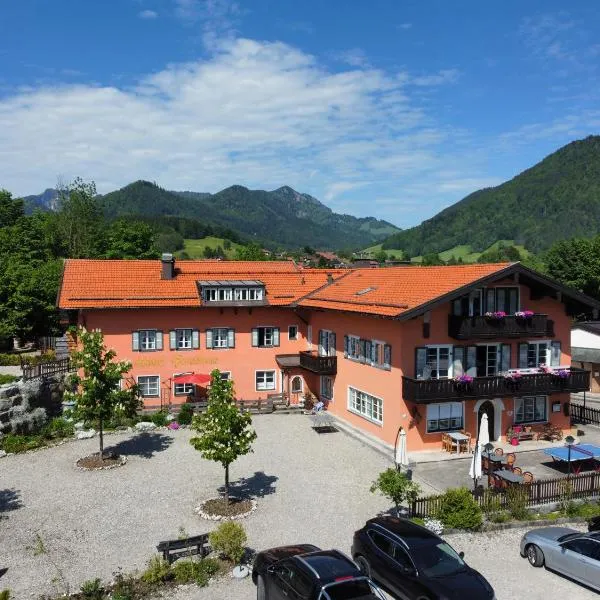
232,292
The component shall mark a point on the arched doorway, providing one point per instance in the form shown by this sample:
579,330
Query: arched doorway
487,407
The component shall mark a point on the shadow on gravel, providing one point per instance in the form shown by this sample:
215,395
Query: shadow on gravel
9,500
145,445
257,486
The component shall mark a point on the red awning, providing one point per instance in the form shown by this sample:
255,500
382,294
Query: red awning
195,378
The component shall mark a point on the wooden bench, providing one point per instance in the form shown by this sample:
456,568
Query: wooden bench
174,549
256,406
543,431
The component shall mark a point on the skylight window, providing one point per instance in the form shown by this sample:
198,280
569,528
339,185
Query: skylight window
365,291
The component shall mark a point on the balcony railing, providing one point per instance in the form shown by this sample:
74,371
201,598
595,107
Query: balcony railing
322,365
435,390
481,327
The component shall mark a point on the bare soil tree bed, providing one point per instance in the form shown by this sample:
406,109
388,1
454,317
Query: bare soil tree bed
216,508
93,462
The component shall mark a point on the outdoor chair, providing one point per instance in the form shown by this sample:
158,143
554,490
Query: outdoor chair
518,470
485,464
465,446
527,477
498,452
445,442
510,460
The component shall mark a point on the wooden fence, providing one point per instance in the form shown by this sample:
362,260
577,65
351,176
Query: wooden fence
543,491
584,414
47,369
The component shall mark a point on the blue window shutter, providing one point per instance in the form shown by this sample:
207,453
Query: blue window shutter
387,356
471,361
209,338
420,362
276,336
173,339
332,344
195,339
231,338
505,358
523,350
363,350
346,346
159,340
135,341
555,354
255,337
368,351
458,361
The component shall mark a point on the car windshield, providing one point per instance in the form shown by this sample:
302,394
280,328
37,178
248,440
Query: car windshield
357,589
437,560
567,537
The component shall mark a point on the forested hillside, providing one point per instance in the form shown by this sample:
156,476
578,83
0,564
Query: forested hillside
556,199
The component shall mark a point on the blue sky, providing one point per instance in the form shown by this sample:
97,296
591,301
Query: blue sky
388,108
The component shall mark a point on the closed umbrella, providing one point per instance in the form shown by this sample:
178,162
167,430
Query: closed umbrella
483,438
401,455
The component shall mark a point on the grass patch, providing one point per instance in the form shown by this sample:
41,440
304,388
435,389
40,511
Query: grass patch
4,379
195,248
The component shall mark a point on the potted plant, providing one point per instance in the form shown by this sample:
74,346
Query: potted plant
524,314
463,382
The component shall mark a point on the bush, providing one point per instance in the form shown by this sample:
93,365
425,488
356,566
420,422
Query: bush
229,539
5,595
93,589
13,443
186,413
59,427
517,497
157,571
396,486
10,360
4,379
459,510
186,571
159,418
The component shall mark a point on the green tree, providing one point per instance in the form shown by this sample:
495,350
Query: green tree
227,244
224,432
250,252
130,239
381,256
96,387
431,259
11,208
80,223
396,486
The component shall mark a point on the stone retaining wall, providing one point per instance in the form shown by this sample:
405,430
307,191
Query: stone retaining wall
27,406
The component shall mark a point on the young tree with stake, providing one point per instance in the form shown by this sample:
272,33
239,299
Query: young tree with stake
224,432
95,388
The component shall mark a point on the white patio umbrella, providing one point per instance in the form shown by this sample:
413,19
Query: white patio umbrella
483,438
401,454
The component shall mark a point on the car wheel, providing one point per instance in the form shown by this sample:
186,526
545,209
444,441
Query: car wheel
534,555
261,591
363,565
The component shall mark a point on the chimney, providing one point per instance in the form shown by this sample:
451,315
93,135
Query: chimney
329,278
168,266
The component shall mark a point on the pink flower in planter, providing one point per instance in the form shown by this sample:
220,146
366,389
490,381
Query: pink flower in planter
173,425
524,314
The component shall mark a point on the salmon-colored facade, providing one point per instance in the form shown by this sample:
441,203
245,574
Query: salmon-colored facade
398,339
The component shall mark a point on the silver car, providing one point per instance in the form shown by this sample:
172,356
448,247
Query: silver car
571,553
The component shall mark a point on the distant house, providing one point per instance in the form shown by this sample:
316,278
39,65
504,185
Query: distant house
585,350
365,263
330,257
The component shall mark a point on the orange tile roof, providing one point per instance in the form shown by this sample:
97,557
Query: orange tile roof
137,283
392,291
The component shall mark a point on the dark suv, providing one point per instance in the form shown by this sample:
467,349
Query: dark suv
304,572
413,563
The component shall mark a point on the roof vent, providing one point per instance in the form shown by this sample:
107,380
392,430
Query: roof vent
365,291
329,278
168,266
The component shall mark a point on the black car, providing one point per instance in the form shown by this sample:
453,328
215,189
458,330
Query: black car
413,563
594,524
304,572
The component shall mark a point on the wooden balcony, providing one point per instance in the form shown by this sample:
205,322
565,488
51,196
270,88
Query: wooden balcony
423,391
322,365
467,328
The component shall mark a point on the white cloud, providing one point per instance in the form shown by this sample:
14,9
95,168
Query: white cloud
261,114
442,77
355,57
218,18
148,14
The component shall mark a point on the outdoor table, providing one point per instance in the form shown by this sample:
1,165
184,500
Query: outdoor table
509,476
458,437
496,461
576,455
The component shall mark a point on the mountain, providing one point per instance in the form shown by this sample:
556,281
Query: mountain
47,200
281,217
557,198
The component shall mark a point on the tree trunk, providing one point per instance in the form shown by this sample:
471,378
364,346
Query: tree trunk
101,435
227,484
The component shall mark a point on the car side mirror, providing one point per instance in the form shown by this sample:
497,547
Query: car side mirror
461,555
271,569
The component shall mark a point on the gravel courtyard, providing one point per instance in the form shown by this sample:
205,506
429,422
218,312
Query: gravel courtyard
58,524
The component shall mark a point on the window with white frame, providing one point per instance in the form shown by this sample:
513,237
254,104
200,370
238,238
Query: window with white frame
225,375
296,384
438,360
265,337
149,385
365,405
446,416
184,389
147,339
183,339
265,380
531,409
220,337
326,387
293,332
538,353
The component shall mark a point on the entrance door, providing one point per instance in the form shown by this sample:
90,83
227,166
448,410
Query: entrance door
488,408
